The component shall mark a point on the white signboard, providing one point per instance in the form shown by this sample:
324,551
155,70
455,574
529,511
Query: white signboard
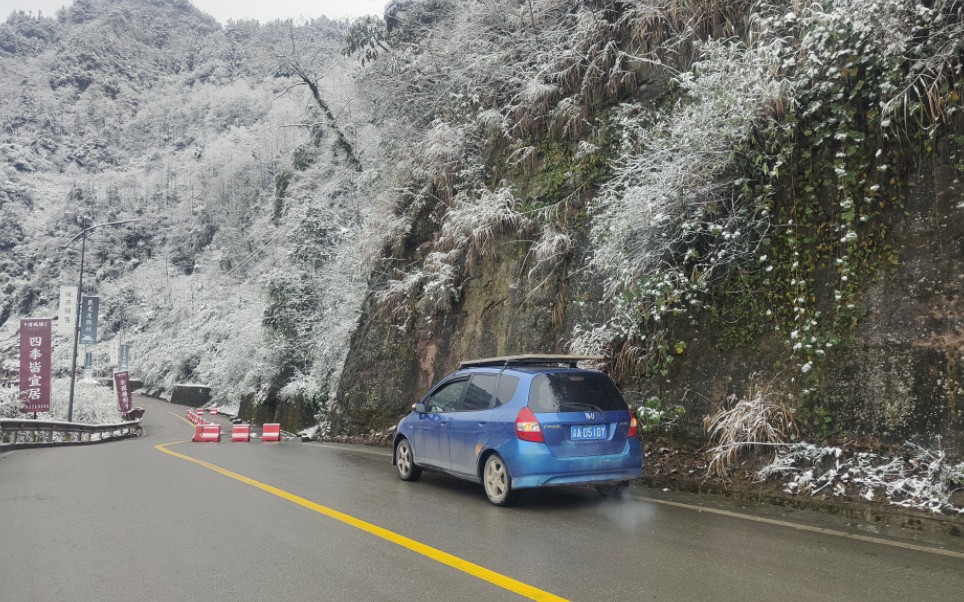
124,357
67,318
115,346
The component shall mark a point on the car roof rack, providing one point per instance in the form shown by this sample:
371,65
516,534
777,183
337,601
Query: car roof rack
530,360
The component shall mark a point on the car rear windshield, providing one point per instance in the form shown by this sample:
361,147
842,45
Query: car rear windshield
575,392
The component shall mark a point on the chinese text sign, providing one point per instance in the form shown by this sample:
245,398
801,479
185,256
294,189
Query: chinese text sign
35,351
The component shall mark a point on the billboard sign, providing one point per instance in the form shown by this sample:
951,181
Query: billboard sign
67,316
88,320
35,348
122,386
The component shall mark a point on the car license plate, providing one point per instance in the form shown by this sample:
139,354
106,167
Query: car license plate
588,433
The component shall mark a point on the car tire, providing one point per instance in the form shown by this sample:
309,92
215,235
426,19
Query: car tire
617,490
497,482
405,462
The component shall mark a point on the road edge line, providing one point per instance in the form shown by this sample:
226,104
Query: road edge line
800,527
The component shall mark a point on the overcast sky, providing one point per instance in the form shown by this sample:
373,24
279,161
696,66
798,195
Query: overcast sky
222,10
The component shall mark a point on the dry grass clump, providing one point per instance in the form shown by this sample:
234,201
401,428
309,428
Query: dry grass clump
745,426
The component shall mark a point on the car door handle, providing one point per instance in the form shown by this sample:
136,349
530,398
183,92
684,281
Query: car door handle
483,422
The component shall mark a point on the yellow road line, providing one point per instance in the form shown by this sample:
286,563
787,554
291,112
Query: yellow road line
799,527
433,553
182,418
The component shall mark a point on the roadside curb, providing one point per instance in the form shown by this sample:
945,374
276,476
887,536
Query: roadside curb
872,514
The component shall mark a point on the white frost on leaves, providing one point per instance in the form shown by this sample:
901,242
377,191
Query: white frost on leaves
676,173
301,386
474,219
924,479
468,228
442,285
550,250
535,91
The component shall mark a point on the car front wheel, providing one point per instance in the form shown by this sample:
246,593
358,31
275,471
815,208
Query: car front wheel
405,461
498,482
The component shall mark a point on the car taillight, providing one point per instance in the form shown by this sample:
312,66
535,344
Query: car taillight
633,423
527,427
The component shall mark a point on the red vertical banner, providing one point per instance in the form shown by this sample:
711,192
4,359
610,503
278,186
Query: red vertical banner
122,386
35,348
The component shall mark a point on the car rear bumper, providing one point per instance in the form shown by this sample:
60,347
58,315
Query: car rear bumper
598,478
535,466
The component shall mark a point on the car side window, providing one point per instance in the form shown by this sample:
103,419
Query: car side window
447,397
479,394
506,390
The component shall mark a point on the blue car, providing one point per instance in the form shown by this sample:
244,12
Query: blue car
519,422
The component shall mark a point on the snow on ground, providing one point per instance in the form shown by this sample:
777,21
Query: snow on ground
93,403
922,479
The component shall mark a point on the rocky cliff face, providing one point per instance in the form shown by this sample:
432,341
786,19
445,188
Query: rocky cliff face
820,261
898,376
397,353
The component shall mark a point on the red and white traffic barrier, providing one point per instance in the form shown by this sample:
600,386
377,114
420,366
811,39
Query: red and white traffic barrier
271,432
241,432
213,411
207,432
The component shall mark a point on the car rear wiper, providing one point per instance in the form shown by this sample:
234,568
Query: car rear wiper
585,406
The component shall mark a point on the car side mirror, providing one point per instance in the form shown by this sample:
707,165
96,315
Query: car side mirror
420,407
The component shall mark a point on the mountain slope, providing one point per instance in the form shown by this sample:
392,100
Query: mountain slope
150,111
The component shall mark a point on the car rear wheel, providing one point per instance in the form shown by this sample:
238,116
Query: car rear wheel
498,482
615,490
405,461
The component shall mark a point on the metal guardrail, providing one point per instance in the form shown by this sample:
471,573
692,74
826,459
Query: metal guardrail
15,434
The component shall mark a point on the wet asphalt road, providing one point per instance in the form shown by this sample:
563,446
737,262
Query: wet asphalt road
125,521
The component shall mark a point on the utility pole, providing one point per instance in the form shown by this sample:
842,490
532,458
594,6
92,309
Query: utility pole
80,292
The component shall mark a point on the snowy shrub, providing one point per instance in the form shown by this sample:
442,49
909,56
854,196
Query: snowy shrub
549,250
467,229
9,403
93,402
755,422
305,389
442,279
674,205
656,418
924,479
300,386
439,158
471,223
591,340
394,292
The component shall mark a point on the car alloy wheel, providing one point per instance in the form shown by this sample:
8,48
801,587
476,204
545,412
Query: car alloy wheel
405,461
498,482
